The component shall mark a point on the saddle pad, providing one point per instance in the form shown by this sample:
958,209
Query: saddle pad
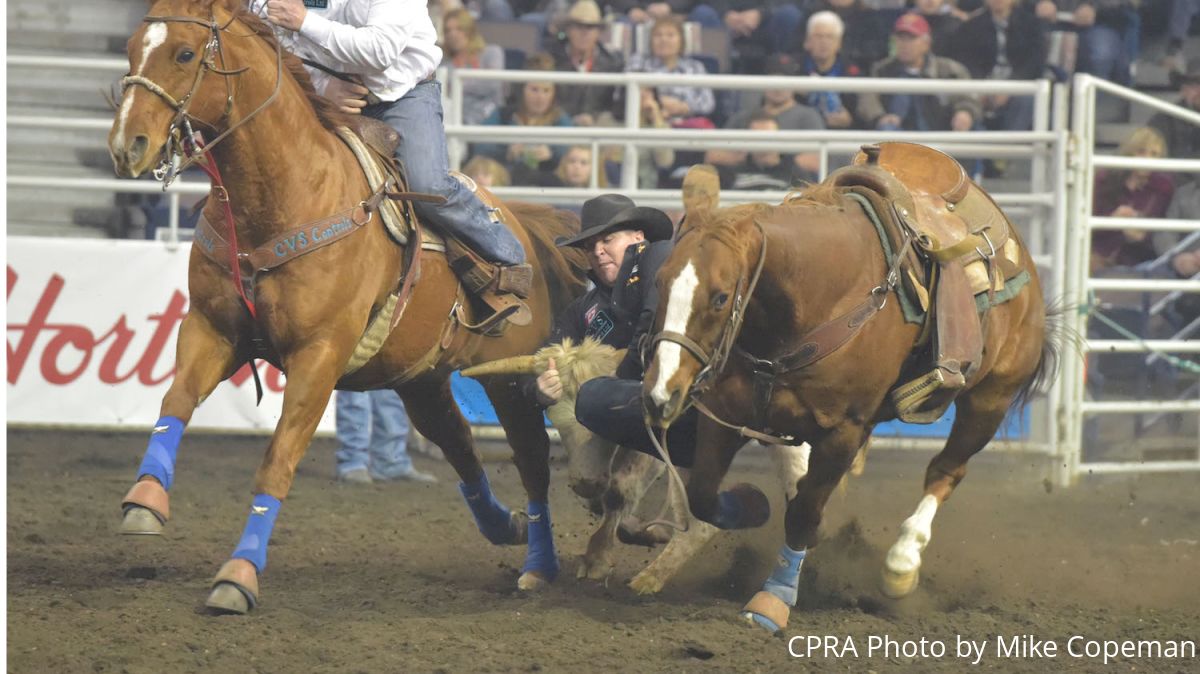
393,219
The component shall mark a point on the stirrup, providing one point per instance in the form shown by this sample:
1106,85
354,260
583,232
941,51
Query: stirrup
909,398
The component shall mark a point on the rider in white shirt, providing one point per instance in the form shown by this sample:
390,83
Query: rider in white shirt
389,47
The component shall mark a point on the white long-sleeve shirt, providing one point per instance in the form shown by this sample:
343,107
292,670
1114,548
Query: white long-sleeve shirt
390,44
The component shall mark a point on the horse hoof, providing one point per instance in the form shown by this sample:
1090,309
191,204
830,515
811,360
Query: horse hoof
743,506
532,581
899,585
139,521
767,611
646,583
235,587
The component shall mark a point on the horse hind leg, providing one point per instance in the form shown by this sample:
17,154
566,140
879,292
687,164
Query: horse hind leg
204,358
435,414
979,413
525,429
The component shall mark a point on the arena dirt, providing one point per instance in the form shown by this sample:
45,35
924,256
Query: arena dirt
394,578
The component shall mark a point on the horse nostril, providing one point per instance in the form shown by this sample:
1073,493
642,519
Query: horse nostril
137,148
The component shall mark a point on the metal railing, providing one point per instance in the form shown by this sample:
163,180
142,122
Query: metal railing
1073,406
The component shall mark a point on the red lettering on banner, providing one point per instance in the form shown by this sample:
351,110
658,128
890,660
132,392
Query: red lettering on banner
81,339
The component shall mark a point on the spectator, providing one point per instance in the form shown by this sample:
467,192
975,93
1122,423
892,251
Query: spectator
1130,194
782,106
823,58
1182,137
1108,35
464,47
918,112
372,432
943,20
582,52
757,29
866,38
1179,22
681,105
575,168
763,170
1005,42
636,11
487,172
652,161
529,163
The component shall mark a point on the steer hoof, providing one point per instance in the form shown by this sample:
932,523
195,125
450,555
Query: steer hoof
899,585
139,521
235,588
646,583
598,567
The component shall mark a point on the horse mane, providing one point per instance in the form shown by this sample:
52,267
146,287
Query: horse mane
565,268
327,112
728,225
819,194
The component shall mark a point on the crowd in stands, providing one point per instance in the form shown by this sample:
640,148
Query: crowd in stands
944,39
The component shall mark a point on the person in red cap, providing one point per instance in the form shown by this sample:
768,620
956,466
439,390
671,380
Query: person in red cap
918,112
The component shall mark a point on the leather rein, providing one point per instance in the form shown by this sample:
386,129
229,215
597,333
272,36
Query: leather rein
815,345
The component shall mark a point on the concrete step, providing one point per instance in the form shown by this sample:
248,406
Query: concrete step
54,229
108,18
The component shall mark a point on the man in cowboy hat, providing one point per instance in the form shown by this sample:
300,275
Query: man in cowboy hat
582,52
1182,136
625,244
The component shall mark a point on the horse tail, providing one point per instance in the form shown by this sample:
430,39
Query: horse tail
1052,350
565,269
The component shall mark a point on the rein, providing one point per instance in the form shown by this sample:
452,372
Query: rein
815,345
180,152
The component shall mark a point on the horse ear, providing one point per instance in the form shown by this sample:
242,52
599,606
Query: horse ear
701,191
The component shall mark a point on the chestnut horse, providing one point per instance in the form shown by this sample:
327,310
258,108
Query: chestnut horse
282,165
778,273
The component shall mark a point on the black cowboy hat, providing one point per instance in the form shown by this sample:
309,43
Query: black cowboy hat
1189,75
610,212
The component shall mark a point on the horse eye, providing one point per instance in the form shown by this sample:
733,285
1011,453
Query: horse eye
185,56
719,300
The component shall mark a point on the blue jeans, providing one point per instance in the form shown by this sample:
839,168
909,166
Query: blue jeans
1182,13
1102,52
417,116
372,432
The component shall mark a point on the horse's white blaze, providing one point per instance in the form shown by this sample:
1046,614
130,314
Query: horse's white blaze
679,311
792,463
155,35
905,556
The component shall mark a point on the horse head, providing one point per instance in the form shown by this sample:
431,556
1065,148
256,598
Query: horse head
704,286
183,71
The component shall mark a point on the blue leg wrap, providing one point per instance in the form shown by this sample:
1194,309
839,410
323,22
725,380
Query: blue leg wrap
492,518
729,511
159,460
785,579
257,534
540,555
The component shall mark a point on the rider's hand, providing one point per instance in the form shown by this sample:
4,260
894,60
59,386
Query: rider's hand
549,386
350,97
286,13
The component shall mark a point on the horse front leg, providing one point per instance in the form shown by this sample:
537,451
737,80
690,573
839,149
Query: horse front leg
814,473
204,358
312,374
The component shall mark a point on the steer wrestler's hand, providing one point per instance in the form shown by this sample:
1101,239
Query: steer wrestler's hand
350,97
549,386
286,13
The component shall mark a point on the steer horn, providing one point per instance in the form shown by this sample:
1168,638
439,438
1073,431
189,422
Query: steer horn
510,365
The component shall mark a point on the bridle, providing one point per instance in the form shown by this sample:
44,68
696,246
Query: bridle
183,147
711,363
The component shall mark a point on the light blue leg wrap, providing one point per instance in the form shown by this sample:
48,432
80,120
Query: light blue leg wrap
784,582
540,555
492,518
159,460
257,534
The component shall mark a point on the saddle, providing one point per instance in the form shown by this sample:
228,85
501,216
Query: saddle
499,289
960,247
